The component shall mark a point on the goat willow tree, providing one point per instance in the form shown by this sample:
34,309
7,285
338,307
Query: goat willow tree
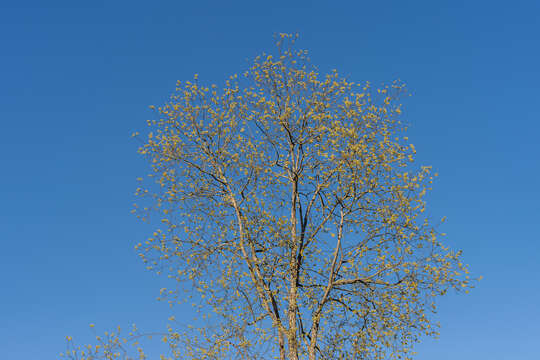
292,208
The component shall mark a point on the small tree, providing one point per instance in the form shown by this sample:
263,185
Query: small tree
292,208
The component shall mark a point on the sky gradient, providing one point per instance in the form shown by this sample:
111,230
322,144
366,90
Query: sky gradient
77,79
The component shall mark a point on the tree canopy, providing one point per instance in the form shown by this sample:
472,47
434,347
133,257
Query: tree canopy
292,208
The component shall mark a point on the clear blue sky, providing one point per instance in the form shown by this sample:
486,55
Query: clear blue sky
76,78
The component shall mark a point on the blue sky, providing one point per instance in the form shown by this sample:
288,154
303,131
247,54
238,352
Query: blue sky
77,79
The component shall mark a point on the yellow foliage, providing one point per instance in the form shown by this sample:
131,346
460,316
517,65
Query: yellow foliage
292,207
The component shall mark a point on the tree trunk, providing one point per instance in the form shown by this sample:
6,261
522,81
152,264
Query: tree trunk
293,277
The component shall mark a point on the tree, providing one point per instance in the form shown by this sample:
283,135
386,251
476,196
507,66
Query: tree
292,208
